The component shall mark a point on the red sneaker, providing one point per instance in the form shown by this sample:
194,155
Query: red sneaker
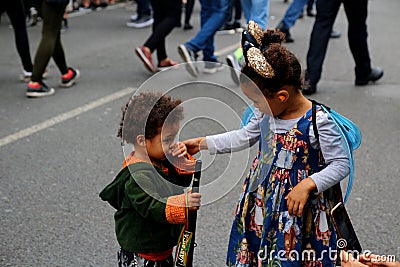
145,57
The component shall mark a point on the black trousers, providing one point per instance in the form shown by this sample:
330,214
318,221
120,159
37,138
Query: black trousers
50,44
166,14
356,13
16,13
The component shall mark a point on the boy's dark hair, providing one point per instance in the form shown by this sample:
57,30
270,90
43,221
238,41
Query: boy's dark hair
286,66
146,113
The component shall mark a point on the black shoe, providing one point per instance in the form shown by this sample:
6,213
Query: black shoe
187,26
311,88
375,74
335,34
310,13
285,30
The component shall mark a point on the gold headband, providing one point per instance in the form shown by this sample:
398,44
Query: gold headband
255,58
255,30
259,63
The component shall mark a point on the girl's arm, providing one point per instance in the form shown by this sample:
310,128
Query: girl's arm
335,155
334,152
232,141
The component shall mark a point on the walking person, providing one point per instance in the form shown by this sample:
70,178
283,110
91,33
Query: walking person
167,14
15,11
213,14
50,46
356,13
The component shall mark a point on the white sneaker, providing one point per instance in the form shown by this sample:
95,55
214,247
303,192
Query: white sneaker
212,67
234,65
141,23
134,17
26,75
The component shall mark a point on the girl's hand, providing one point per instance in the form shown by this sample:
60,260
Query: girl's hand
297,198
194,200
179,150
194,145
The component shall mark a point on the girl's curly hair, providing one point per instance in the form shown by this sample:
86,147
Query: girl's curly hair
286,66
146,113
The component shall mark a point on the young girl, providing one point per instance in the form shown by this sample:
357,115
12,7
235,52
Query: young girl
148,191
283,213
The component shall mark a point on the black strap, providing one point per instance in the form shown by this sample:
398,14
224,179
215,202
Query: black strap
314,119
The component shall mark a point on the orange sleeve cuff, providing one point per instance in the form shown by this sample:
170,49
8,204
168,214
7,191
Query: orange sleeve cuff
185,165
175,211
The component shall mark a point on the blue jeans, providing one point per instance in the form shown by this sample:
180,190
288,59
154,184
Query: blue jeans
257,10
212,16
143,8
293,12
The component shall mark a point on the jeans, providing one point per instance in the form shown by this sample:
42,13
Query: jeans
293,12
212,16
257,10
143,8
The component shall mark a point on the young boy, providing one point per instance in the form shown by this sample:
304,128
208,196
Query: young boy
148,192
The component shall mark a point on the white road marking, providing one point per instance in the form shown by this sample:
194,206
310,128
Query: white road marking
65,116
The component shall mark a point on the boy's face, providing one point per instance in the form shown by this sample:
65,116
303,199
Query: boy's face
161,144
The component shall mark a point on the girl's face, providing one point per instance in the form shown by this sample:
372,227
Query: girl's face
254,94
268,105
161,144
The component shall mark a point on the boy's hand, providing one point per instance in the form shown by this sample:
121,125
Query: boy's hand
297,198
179,150
195,144
194,201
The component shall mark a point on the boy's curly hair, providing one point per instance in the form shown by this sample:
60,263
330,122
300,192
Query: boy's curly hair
146,113
286,66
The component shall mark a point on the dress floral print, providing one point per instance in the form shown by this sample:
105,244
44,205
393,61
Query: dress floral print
263,230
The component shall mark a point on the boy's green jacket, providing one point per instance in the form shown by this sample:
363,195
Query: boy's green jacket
139,194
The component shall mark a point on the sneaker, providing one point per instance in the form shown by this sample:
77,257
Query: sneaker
34,16
26,75
141,22
145,57
237,27
226,29
187,26
234,65
85,9
189,56
67,80
134,17
36,89
212,67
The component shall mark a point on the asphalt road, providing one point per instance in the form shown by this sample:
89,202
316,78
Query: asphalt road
57,153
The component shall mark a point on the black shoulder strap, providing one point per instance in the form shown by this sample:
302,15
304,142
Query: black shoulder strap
314,119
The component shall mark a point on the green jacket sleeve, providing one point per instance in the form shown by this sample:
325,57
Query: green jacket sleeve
145,196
